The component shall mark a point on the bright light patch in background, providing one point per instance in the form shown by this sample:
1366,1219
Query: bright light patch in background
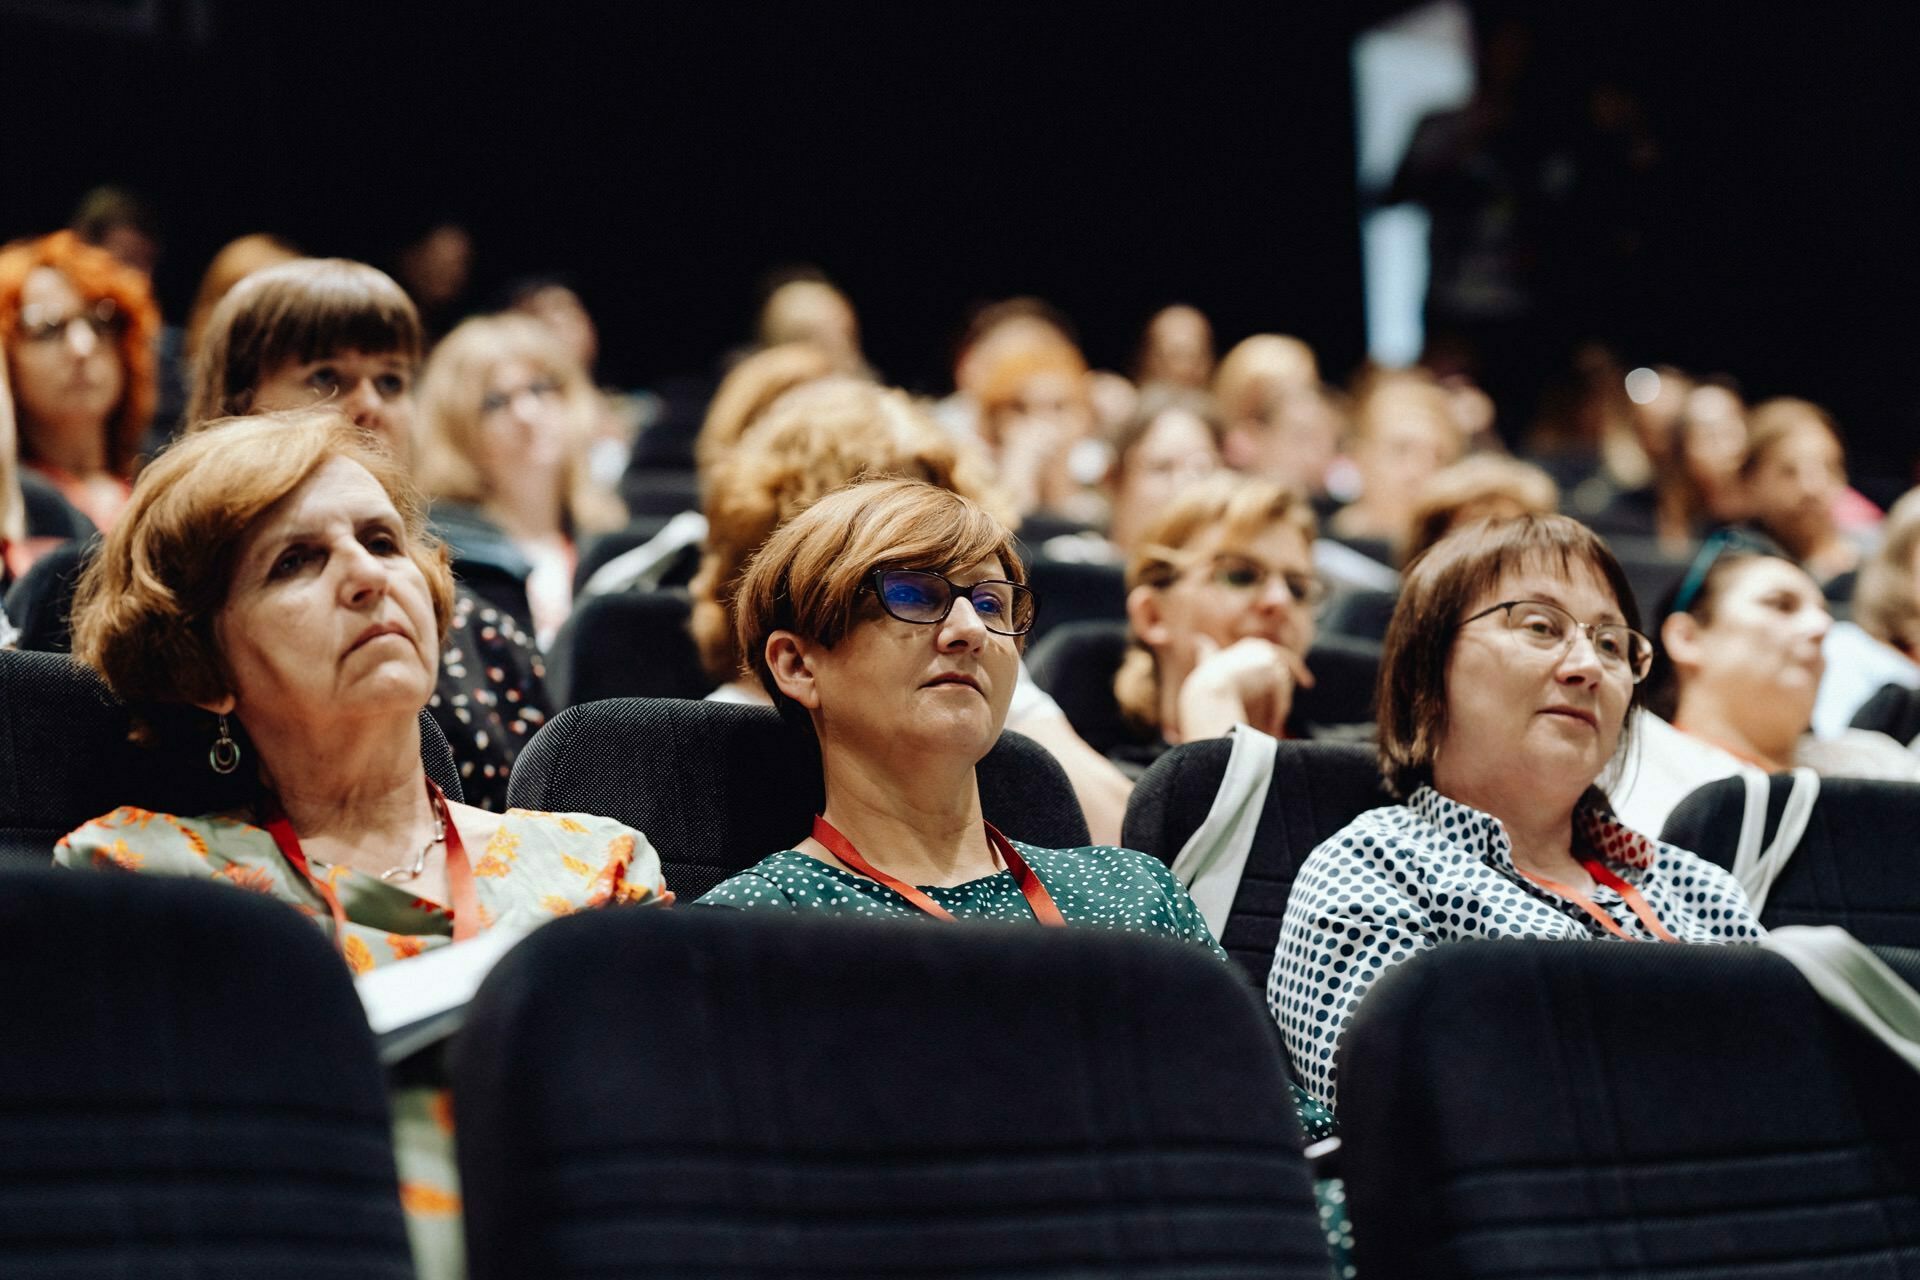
1643,386
1421,61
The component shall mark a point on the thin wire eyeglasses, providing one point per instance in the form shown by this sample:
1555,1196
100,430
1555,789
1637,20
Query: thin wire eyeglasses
923,597
1548,628
1243,573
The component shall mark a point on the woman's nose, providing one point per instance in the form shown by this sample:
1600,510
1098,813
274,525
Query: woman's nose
1581,660
963,627
364,575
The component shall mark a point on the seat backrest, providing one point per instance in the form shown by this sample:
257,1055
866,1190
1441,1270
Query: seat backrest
65,757
1069,591
1359,612
660,492
1651,569
718,786
1317,788
602,547
41,602
189,1088
1894,711
1850,867
627,644
1552,1108
1077,661
848,1098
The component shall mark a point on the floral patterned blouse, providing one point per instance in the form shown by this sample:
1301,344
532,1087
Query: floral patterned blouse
1401,879
534,867
490,699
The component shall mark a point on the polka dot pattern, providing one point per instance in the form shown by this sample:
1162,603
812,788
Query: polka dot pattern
1401,879
490,699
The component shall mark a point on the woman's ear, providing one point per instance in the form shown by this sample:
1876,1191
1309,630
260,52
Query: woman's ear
1146,617
221,706
790,659
1680,633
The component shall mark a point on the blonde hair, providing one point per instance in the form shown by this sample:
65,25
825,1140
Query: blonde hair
813,440
806,578
1886,600
1240,508
13,504
1772,421
451,390
749,390
1484,477
144,610
1259,371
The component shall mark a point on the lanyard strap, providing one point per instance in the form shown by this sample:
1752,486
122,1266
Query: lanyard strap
1039,901
460,883
1598,870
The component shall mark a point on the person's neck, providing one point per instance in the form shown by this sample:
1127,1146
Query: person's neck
356,789
1706,715
1170,682
529,510
921,823
1538,820
76,452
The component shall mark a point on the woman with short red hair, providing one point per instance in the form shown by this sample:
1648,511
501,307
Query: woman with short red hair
79,331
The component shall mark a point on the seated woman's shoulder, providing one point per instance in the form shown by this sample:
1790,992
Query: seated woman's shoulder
134,839
617,860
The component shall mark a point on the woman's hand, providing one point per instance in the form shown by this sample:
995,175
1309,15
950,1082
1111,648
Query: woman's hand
1251,682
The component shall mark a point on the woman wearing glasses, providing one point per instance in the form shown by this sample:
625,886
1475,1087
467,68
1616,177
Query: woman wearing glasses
507,417
79,331
1220,597
889,617
1510,667
1736,675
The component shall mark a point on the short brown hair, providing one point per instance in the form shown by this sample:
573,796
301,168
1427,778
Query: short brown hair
749,390
451,390
294,313
1240,507
1480,478
1886,600
806,578
1772,421
1435,593
814,439
95,274
144,611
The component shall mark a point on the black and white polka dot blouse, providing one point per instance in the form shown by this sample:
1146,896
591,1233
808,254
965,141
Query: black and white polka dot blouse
1398,880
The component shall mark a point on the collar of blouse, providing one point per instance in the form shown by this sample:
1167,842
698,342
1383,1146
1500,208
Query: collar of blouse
1624,850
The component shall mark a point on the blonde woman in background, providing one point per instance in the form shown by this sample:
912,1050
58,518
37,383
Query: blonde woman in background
506,419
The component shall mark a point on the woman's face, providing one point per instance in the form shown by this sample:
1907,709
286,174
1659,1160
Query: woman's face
1404,447
1233,589
1762,648
945,685
1522,716
525,424
1175,451
374,390
327,615
67,374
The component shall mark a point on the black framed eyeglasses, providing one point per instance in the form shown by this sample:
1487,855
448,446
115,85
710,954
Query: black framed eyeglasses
1243,573
1548,628
918,595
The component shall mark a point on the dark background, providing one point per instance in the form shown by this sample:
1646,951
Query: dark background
930,156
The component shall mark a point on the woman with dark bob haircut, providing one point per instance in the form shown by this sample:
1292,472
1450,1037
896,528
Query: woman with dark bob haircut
276,573
1510,667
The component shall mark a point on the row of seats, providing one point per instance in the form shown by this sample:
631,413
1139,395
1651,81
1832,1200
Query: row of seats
646,1092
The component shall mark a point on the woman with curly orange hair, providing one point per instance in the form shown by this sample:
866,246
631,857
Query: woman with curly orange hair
79,331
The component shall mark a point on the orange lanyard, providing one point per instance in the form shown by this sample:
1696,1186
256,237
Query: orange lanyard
1038,899
1599,871
466,902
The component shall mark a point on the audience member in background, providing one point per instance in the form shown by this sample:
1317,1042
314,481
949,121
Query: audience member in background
1036,419
23,540
506,419
1712,443
888,617
329,331
1736,672
553,303
1403,432
1260,372
1881,645
992,329
1171,441
276,573
1483,487
745,394
236,260
811,442
435,267
806,307
1795,475
79,330
1220,598
1508,675
1176,348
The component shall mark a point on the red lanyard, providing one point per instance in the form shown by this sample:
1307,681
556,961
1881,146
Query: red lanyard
466,901
1038,899
1599,871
